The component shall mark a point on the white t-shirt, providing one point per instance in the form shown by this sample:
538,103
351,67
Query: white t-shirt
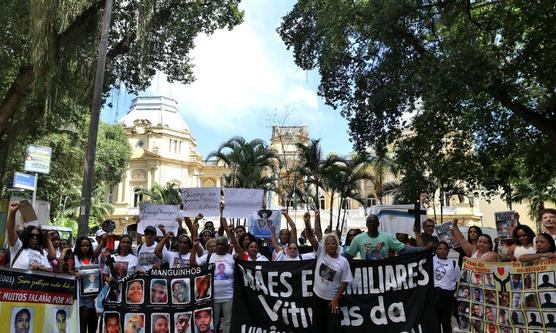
446,273
146,256
223,275
125,265
176,260
330,273
260,257
283,256
27,257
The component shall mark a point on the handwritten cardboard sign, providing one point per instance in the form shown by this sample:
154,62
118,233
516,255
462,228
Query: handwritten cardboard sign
204,200
240,202
155,215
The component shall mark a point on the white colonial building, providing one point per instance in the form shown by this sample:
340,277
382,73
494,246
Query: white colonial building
163,151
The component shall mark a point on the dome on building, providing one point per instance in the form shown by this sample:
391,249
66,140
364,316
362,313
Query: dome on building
158,110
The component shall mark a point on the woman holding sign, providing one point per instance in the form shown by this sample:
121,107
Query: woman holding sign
332,275
483,252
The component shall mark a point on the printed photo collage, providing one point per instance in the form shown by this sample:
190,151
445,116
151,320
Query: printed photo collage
160,305
518,303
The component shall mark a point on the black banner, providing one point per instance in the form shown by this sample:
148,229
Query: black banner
393,295
163,300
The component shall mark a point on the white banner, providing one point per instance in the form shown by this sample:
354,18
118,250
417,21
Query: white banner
396,218
240,202
155,215
204,200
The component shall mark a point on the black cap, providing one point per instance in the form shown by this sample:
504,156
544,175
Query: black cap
150,228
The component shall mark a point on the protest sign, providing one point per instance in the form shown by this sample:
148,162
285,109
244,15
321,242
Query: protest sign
396,218
392,295
45,302
240,202
204,200
155,215
505,223
507,296
444,233
260,221
177,299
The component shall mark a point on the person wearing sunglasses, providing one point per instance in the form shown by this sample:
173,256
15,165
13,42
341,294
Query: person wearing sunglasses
27,252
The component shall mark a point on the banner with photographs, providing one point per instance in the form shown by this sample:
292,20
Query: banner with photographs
510,297
37,302
392,295
164,300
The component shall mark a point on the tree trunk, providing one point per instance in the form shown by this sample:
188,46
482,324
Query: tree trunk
331,210
15,94
342,200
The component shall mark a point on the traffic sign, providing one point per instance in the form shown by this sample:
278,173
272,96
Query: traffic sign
37,159
24,181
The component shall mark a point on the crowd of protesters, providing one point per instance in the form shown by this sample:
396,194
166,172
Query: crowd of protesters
34,249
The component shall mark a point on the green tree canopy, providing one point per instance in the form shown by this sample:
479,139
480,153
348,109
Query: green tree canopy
477,77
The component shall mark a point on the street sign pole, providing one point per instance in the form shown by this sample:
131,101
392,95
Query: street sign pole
34,203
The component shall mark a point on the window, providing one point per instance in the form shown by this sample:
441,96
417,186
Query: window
371,202
321,200
137,197
111,194
346,204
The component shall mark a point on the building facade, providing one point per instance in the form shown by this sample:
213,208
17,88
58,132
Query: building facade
164,151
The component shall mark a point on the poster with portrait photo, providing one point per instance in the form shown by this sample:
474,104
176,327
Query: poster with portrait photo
545,280
22,317
111,322
160,322
135,291
516,281
260,221
60,319
159,291
203,320
547,300
180,291
530,301
550,320
534,319
134,323
529,281
203,287
517,299
182,322
517,318
90,280
464,292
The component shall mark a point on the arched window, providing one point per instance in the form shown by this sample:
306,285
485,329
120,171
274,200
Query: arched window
371,202
137,197
321,201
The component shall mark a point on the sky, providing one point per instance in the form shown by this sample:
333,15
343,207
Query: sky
246,81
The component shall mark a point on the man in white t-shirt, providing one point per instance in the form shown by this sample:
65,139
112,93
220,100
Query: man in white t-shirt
145,250
27,252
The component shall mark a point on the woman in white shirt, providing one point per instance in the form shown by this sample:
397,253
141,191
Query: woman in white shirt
446,276
332,275
125,263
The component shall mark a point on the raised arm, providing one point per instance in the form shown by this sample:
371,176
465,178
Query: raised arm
318,228
194,244
51,251
465,245
232,237
190,224
10,224
275,244
293,228
536,256
158,250
309,231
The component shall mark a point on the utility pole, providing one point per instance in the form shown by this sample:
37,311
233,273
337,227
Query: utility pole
87,187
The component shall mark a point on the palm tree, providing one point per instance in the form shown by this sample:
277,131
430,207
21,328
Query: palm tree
169,194
382,165
353,172
313,166
333,179
253,163
100,209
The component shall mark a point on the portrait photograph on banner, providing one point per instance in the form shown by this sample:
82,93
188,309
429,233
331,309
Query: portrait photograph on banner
90,280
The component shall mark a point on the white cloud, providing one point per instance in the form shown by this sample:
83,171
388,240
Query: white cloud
238,72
